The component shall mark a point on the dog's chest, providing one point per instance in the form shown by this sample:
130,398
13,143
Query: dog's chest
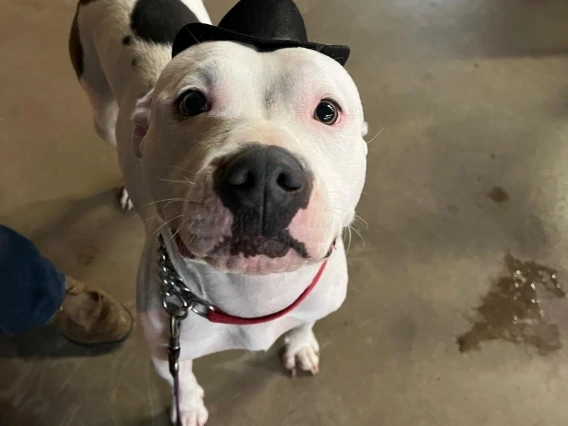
325,299
252,338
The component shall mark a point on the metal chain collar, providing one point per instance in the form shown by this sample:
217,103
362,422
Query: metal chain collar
178,301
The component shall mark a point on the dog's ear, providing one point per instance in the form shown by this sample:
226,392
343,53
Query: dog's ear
364,128
141,118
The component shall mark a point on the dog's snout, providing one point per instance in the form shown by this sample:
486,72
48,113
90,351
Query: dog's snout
264,184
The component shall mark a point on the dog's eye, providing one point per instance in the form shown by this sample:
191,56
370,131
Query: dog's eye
192,103
327,112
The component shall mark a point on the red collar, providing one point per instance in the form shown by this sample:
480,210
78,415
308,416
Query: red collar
216,315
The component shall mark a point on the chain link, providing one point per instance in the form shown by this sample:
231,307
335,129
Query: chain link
177,300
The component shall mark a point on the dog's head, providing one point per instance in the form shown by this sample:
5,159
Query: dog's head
256,161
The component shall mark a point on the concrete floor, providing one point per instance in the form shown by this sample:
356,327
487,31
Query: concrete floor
462,96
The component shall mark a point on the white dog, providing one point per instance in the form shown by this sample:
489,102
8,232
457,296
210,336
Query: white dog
244,152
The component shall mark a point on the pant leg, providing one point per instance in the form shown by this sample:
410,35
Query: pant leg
31,287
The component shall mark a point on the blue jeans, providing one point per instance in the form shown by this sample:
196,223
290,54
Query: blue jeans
31,287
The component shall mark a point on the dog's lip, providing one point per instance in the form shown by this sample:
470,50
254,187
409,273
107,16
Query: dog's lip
185,252
331,248
228,243
302,254
182,248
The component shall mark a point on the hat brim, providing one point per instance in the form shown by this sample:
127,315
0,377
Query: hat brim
196,33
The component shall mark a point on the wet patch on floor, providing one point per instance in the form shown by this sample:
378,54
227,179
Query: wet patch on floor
498,195
513,309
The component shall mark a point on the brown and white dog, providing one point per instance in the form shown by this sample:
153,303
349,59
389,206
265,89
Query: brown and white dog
249,164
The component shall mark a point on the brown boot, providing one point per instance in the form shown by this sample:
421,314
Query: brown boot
91,317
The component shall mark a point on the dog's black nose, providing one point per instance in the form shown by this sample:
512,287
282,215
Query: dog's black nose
263,186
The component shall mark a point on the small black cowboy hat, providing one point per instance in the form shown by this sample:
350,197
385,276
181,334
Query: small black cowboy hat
268,25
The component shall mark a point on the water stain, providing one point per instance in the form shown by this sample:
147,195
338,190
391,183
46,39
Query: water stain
498,194
512,310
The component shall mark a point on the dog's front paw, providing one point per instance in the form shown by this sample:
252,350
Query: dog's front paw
193,413
124,199
302,350
193,418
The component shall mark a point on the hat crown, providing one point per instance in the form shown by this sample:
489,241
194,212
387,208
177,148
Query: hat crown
266,19
266,25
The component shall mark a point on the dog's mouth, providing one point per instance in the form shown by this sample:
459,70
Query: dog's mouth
272,247
182,248
253,246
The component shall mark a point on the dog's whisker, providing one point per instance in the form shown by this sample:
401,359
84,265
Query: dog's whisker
165,224
193,237
376,136
359,220
350,237
151,218
177,231
164,201
189,181
183,182
184,177
181,169
358,229
182,225
167,204
358,233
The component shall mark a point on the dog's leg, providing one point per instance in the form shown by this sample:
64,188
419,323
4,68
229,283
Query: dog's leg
192,408
105,114
103,104
85,60
302,350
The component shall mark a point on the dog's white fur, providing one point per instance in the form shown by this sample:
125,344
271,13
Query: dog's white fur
167,165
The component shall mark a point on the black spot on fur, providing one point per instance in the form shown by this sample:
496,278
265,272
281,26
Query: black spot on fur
126,40
134,62
75,47
84,2
158,21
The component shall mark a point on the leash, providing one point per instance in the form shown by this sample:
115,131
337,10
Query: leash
178,301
